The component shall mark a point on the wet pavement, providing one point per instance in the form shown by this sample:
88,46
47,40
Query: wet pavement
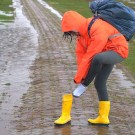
37,68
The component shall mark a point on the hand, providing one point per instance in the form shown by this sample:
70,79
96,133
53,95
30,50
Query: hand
79,90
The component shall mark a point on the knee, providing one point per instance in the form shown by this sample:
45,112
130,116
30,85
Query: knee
97,59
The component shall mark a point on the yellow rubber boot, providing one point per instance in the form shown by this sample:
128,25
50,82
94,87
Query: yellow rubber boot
102,119
66,110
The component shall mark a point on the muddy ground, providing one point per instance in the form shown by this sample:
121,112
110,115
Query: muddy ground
36,70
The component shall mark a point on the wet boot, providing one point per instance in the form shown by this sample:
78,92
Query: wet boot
66,110
102,119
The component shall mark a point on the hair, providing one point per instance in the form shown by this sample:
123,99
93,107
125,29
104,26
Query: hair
67,35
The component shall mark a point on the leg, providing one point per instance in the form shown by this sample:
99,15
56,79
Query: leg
109,57
101,71
105,58
100,82
104,104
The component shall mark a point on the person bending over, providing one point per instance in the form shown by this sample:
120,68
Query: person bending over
96,55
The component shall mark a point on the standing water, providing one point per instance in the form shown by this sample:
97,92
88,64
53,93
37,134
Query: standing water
18,43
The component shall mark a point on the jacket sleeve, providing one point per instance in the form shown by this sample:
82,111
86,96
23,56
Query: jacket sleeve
80,51
97,43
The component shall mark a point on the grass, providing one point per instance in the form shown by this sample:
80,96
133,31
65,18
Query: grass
129,63
62,6
5,6
81,6
6,18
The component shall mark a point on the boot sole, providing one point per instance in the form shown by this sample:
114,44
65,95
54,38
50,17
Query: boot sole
69,122
99,124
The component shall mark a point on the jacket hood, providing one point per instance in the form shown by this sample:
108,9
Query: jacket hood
73,21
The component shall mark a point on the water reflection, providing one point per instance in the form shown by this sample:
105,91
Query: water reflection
65,129
18,49
102,130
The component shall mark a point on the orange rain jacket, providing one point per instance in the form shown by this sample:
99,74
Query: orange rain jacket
87,47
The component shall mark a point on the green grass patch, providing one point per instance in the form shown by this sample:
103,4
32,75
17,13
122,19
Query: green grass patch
5,6
6,18
129,63
82,7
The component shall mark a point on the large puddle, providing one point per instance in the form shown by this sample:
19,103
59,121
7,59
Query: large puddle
18,46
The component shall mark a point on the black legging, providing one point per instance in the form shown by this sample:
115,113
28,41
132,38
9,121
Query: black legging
101,67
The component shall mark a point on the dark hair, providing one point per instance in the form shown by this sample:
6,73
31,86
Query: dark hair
67,35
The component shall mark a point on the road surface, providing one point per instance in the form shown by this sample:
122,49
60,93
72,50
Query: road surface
50,75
